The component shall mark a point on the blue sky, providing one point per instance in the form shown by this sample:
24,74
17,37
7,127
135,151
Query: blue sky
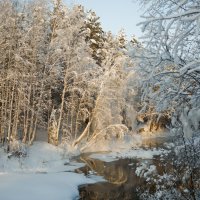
115,14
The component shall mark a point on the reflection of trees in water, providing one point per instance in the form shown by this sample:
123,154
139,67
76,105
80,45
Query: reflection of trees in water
113,174
122,183
106,191
121,180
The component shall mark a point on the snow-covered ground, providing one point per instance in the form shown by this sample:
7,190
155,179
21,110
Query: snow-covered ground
41,157
45,173
131,153
50,186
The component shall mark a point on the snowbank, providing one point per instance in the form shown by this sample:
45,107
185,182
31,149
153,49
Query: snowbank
41,157
50,186
46,173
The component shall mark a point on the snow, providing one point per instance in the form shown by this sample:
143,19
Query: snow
46,173
93,41
144,170
194,117
41,157
190,120
131,153
190,67
59,186
187,129
103,157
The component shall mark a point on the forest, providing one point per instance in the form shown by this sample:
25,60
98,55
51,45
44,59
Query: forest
66,82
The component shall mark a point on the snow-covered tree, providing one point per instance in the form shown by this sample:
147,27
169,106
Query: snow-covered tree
121,38
170,65
107,120
171,35
95,37
54,77
73,66
24,38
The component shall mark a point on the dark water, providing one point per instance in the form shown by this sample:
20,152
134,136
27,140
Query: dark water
121,182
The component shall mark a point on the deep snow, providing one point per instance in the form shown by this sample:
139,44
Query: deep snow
45,173
50,186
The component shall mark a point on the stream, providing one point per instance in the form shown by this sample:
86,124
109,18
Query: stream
119,179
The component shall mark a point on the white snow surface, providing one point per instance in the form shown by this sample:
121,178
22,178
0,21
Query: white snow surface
41,157
131,153
46,173
53,186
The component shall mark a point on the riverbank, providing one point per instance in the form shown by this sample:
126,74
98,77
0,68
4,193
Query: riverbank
49,172
44,173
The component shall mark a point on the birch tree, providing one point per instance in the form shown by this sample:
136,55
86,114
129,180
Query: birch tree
73,65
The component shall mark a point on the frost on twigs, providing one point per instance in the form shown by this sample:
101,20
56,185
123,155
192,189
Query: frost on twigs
186,122
169,61
177,174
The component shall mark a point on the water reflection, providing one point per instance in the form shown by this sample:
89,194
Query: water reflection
121,181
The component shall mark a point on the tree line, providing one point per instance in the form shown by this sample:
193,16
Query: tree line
59,71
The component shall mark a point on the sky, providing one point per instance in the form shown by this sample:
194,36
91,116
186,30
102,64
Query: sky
115,14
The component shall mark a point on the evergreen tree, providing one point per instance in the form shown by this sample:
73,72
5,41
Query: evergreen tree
121,38
95,36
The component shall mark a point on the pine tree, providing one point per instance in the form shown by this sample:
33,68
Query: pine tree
95,36
121,38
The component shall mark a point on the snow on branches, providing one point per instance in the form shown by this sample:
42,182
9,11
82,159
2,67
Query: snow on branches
172,41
